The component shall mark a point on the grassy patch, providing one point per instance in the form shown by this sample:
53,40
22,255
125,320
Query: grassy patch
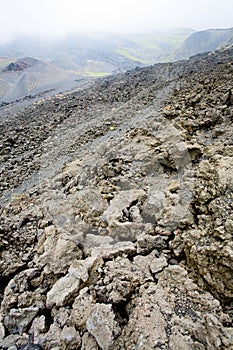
151,48
94,74
130,55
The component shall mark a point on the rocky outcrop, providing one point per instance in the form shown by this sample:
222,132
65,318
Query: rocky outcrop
123,238
21,64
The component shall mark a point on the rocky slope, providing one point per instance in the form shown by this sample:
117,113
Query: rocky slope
27,77
116,213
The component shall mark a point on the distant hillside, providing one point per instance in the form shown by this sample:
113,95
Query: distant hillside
204,41
29,76
150,48
88,55
98,54
21,64
31,65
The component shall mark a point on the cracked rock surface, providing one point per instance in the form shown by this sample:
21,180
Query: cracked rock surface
116,213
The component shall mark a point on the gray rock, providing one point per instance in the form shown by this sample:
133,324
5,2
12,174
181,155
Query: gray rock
122,220
18,319
2,329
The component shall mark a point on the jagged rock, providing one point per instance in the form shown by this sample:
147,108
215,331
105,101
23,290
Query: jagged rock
52,339
17,291
102,325
89,342
82,308
224,169
115,231
213,260
147,242
142,264
97,244
174,314
67,287
112,251
229,226
38,327
154,205
119,208
89,204
31,346
56,253
228,98
2,329
18,320
157,264
119,281
70,337
9,341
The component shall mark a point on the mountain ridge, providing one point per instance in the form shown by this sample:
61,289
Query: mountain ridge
64,63
204,41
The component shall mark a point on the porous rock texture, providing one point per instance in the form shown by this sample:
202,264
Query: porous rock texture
116,213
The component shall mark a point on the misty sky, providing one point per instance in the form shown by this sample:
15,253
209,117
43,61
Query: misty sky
59,17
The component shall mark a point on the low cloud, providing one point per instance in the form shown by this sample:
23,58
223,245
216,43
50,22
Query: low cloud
59,17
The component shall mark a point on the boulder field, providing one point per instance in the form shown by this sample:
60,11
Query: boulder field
116,215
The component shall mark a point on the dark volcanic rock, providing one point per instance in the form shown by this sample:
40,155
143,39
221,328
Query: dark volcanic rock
21,64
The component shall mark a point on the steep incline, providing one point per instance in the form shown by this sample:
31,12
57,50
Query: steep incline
116,213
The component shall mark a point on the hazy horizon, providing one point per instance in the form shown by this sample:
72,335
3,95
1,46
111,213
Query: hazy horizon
58,18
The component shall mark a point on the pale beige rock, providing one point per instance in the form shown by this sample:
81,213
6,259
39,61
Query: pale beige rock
126,239
58,253
82,308
146,325
142,264
89,342
120,280
52,339
173,313
9,341
178,341
113,215
229,226
2,330
102,325
112,251
89,205
67,287
70,337
157,264
225,171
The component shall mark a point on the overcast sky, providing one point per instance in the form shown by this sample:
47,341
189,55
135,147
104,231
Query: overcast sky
58,17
